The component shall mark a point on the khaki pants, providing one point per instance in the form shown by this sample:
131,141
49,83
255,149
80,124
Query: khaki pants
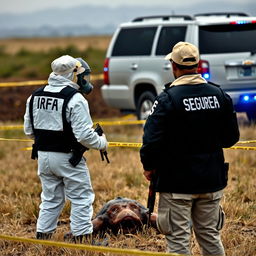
177,213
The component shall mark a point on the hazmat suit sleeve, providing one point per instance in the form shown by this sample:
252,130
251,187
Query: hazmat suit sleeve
27,123
78,115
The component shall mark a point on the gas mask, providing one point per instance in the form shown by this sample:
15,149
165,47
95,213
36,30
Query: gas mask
83,79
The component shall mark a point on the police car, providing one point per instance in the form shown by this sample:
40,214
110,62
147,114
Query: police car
135,70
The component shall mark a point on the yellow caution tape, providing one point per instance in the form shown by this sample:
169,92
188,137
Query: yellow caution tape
27,148
110,144
244,148
121,122
138,145
21,140
246,141
97,77
118,144
39,82
129,116
103,123
84,247
25,83
11,127
125,144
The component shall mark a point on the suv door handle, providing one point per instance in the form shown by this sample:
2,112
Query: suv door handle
134,66
167,66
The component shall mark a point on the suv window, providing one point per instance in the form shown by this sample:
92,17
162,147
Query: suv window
169,36
227,38
134,41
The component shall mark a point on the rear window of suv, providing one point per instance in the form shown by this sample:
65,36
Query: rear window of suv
134,41
169,36
227,38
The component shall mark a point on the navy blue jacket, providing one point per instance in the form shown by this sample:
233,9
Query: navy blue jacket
184,137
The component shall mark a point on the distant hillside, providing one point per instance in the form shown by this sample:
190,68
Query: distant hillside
53,31
88,20
83,20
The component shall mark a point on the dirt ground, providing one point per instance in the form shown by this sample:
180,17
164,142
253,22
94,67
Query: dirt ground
13,102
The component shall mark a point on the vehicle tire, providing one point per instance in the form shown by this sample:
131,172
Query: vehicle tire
251,115
145,104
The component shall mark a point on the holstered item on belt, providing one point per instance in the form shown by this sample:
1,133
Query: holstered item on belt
78,149
34,153
77,154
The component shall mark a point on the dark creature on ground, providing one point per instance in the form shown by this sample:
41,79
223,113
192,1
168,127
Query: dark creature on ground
122,215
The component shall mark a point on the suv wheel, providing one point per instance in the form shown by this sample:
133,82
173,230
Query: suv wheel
251,115
145,104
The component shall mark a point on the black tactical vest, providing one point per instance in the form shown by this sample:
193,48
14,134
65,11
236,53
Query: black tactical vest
52,140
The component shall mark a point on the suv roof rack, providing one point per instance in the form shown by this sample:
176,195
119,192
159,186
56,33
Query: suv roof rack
163,17
227,14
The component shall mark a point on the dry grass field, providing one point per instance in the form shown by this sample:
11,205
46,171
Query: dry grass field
20,196
20,187
30,58
14,45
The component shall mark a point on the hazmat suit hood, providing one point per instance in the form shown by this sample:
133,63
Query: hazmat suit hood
75,70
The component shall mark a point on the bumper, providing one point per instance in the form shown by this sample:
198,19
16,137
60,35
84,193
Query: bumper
118,96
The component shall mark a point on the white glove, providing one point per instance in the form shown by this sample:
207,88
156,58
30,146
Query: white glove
106,147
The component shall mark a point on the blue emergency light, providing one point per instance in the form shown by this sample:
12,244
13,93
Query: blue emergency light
248,98
241,22
206,76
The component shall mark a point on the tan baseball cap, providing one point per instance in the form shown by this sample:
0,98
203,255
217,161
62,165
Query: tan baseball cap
184,53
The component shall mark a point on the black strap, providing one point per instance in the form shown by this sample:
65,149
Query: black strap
31,106
68,92
34,154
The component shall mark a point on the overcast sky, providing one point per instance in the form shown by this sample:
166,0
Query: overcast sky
23,6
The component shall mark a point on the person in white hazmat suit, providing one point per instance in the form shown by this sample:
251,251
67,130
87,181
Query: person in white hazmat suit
57,117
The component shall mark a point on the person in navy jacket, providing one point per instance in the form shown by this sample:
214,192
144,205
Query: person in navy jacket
190,123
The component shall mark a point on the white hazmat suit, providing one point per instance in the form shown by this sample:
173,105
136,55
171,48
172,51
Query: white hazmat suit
58,177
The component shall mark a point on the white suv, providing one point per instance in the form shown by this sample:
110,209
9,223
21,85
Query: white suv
135,70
